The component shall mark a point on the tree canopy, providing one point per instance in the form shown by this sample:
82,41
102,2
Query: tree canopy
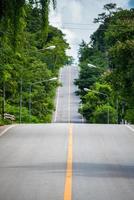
26,60
111,50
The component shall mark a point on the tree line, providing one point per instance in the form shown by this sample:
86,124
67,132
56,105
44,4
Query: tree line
106,79
31,54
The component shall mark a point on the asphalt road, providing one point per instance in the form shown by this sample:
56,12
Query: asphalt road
67,161
33,162
67,103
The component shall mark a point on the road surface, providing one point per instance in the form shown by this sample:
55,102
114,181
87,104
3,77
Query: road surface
34,158
67,161
67,103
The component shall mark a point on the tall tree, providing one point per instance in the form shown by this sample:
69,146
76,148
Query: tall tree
114,42
12,13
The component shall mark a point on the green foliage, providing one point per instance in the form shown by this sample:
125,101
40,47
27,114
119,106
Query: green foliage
14,110
13,15
100,96
121,53
30,64
101,114
111,49
87,77
89,56
130,115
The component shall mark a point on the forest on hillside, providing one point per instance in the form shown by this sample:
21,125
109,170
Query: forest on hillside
106,79
31,54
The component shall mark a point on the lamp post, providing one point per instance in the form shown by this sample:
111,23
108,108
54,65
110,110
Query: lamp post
30,92
21,83
20,116
95,67
3,100
92,66
94,91
48,48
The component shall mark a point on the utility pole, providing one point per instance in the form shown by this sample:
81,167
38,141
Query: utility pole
30,93
108,111
30,101
3,100
123,112
117,109
20,117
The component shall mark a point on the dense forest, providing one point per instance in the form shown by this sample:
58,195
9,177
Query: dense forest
31,54
106,79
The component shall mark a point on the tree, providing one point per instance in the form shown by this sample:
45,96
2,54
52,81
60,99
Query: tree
13,14
120,42
110,9
87,76
29,63
101,114
96,104
112,48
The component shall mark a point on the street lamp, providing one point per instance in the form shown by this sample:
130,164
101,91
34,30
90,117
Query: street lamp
94,91
3,100
92,66
95,67
48,48
21,84
30,91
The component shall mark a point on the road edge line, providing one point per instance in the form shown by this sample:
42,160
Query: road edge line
7,129
57,98
129,127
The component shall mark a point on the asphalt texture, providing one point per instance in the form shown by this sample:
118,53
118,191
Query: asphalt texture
33,162
103,162
34,158
67,103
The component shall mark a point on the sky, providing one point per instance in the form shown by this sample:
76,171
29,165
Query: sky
75,19
131,3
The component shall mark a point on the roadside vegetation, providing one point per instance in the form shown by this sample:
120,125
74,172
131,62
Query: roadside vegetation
26,58
106,79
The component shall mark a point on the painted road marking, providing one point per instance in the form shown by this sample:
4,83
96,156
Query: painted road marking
3,132
130,127
57,101
69,97
68,181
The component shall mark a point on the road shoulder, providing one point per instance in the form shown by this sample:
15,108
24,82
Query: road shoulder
130,127
4,129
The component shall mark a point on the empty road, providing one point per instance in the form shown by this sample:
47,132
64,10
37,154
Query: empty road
67,161
67,103
35,165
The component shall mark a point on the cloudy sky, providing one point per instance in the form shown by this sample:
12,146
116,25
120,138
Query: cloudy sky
75,18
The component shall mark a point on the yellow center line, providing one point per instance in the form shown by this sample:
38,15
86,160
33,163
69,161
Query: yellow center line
69,97
68,181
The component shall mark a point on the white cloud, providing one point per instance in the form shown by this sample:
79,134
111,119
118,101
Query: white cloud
55,19
75,11
58,18
79,12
